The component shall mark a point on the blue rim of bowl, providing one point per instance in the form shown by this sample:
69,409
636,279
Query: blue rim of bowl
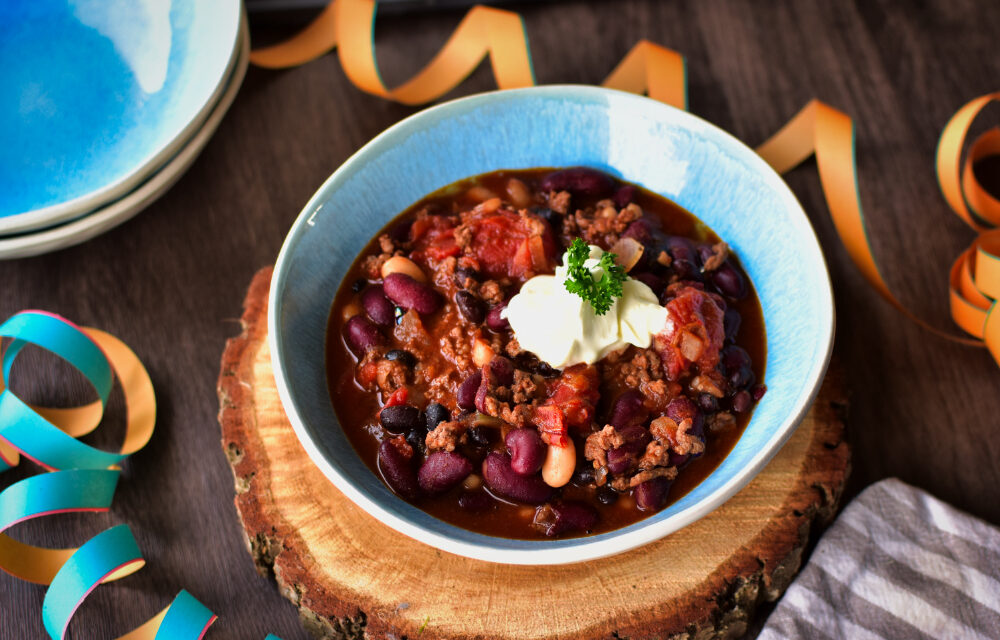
573,549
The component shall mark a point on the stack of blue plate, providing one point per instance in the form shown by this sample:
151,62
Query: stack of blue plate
106,103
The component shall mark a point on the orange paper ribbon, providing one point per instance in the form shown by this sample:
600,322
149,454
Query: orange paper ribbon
818,129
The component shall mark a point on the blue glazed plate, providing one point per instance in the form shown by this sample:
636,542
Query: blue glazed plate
666,150
102,93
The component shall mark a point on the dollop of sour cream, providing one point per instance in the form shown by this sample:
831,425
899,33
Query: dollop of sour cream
563,329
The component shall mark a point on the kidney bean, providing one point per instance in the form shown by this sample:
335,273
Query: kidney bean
481,393
397,471
731,323
400,418
442,470
582,181
640,231
466,395
758,391
678,459
410,294
505,482
527,451
654,282
682,408
729,282
624,196
628,409
403,356
621,459
495,321
499,371
570,516
471,307
362,335
377,306
475,501
742,402
436,414
651,494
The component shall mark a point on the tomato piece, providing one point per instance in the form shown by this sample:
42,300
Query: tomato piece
433,236
694,333
397,397
573,397
502,243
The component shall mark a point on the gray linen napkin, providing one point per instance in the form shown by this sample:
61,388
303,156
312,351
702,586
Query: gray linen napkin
897,563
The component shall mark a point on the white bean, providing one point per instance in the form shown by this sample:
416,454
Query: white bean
402,264
560,462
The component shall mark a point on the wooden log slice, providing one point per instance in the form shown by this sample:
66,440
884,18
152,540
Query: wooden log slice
353,577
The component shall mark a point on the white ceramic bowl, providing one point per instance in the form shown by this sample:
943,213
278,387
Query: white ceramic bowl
664,149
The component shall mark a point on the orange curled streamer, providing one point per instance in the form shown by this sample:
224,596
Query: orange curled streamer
818,130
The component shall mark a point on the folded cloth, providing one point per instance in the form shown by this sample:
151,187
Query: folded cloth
897,563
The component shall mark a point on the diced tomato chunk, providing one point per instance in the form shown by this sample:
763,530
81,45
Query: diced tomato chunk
433,236
694,332
572,402
508,245
397,397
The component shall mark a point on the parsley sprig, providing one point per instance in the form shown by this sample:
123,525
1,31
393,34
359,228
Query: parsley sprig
601,294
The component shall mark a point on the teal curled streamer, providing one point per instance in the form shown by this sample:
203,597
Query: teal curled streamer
81,480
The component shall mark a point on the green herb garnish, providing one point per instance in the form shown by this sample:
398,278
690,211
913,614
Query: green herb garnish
601,294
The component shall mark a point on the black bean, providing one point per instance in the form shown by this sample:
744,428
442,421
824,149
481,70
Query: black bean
731,322
607,495
404,357
685,259
708,403
436,414
398,314
628,409
471,307
479,436
358,285
463,274
466,395
554,219
735,358
729,282
362,335
583,476
742,402
400,418
417,438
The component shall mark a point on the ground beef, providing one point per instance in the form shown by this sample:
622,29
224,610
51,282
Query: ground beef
559,201
491,292
658,472
386,243
710,384
444,272
402,446
513,348
640,369
390,375
457,348
720,252
604,225
463,236
372,265
720,421
599,443
677,436
526,388
446,436
657,454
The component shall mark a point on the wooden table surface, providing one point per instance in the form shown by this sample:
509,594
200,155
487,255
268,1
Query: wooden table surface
171,281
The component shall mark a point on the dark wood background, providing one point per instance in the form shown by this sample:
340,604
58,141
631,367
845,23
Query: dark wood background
171,281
